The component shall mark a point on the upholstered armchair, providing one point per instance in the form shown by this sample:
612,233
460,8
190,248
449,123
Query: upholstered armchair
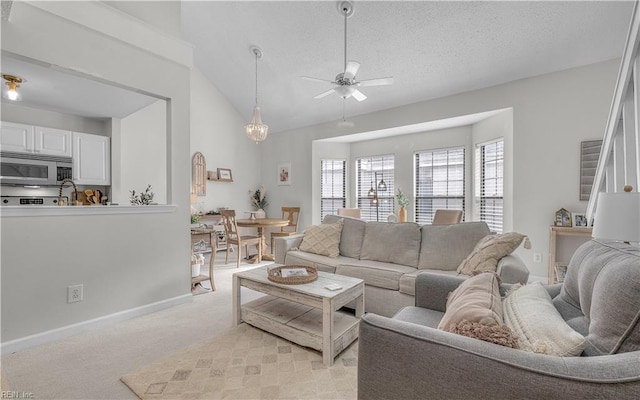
406,357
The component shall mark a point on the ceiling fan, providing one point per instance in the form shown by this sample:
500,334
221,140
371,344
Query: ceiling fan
345,84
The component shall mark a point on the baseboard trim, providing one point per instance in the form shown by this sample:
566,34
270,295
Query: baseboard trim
59,333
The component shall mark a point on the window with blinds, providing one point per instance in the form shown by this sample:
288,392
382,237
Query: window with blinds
490,157
439,182
370,174
332,186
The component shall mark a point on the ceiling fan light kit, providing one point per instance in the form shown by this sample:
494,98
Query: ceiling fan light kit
256,130
345,83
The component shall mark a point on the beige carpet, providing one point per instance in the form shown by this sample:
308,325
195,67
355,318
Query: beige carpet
247,363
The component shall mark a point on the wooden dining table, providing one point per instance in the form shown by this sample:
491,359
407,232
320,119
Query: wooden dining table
261,224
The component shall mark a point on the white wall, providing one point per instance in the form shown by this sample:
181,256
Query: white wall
51,119
142,148
125,261
217,132
552,114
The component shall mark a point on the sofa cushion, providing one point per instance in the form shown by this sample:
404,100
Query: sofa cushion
601,292
352,234
444,247
375,273
530,314
393,243
322,239
323,263
489,250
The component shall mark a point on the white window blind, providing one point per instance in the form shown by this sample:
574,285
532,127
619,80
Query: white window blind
490,157
440,184
368,170
332,186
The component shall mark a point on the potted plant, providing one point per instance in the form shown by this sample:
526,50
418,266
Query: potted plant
403,202
259,201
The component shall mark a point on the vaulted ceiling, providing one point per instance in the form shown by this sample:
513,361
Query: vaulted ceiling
431,48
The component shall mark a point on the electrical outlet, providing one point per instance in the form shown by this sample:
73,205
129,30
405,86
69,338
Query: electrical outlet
74,293
537,257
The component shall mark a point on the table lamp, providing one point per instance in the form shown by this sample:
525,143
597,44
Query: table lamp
617,216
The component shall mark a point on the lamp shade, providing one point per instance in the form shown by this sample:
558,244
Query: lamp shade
617,217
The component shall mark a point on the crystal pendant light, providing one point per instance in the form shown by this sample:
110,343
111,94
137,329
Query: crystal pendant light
256,130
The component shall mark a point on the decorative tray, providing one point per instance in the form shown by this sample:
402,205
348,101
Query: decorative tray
292,274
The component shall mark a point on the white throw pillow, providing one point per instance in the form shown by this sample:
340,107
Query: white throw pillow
531,315
323,239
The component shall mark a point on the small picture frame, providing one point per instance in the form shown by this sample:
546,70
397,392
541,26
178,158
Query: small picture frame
284,174
563,218
224,174
579,220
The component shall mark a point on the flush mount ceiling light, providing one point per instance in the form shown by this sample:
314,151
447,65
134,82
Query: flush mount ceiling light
256,130
13,83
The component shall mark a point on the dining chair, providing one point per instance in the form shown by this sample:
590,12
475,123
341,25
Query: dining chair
447,217
349,212
291,214
234,237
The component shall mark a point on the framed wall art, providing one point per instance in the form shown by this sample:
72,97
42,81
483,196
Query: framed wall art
224,174
284,174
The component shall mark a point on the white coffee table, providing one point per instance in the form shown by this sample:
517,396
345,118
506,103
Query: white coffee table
306,314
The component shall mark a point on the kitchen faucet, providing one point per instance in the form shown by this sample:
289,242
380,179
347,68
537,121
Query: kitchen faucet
74,202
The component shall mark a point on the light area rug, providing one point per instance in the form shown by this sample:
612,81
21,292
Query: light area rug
247,363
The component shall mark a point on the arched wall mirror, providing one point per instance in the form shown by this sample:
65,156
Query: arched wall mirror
199,174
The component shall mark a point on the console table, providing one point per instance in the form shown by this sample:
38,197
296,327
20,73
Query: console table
563,242
206,234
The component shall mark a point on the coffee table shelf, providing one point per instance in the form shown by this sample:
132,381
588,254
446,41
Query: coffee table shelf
307,314
299,323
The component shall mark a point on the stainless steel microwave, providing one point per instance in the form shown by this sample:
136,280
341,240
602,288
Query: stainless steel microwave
33,169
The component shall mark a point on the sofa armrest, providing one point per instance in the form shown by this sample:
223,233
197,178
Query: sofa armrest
511,269
284,244
432,289
401,360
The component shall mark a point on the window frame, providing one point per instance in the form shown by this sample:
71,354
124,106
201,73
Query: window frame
386,199
426,217
335,198
484,213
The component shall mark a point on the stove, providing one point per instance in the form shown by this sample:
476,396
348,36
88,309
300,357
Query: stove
30,200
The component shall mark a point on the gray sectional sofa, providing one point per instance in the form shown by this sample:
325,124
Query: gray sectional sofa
389,256
600,299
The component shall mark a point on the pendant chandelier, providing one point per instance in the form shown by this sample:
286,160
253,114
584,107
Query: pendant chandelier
256,130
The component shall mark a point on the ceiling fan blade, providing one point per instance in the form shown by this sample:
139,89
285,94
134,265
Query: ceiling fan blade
310,78
358,95
324,94
376,82
351,70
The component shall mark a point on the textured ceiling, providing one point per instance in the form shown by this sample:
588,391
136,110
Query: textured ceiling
432,49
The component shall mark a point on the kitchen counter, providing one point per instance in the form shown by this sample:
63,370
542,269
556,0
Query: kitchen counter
39,211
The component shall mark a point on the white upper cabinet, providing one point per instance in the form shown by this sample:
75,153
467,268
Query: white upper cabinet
17,138
91,159
53,142
21,138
